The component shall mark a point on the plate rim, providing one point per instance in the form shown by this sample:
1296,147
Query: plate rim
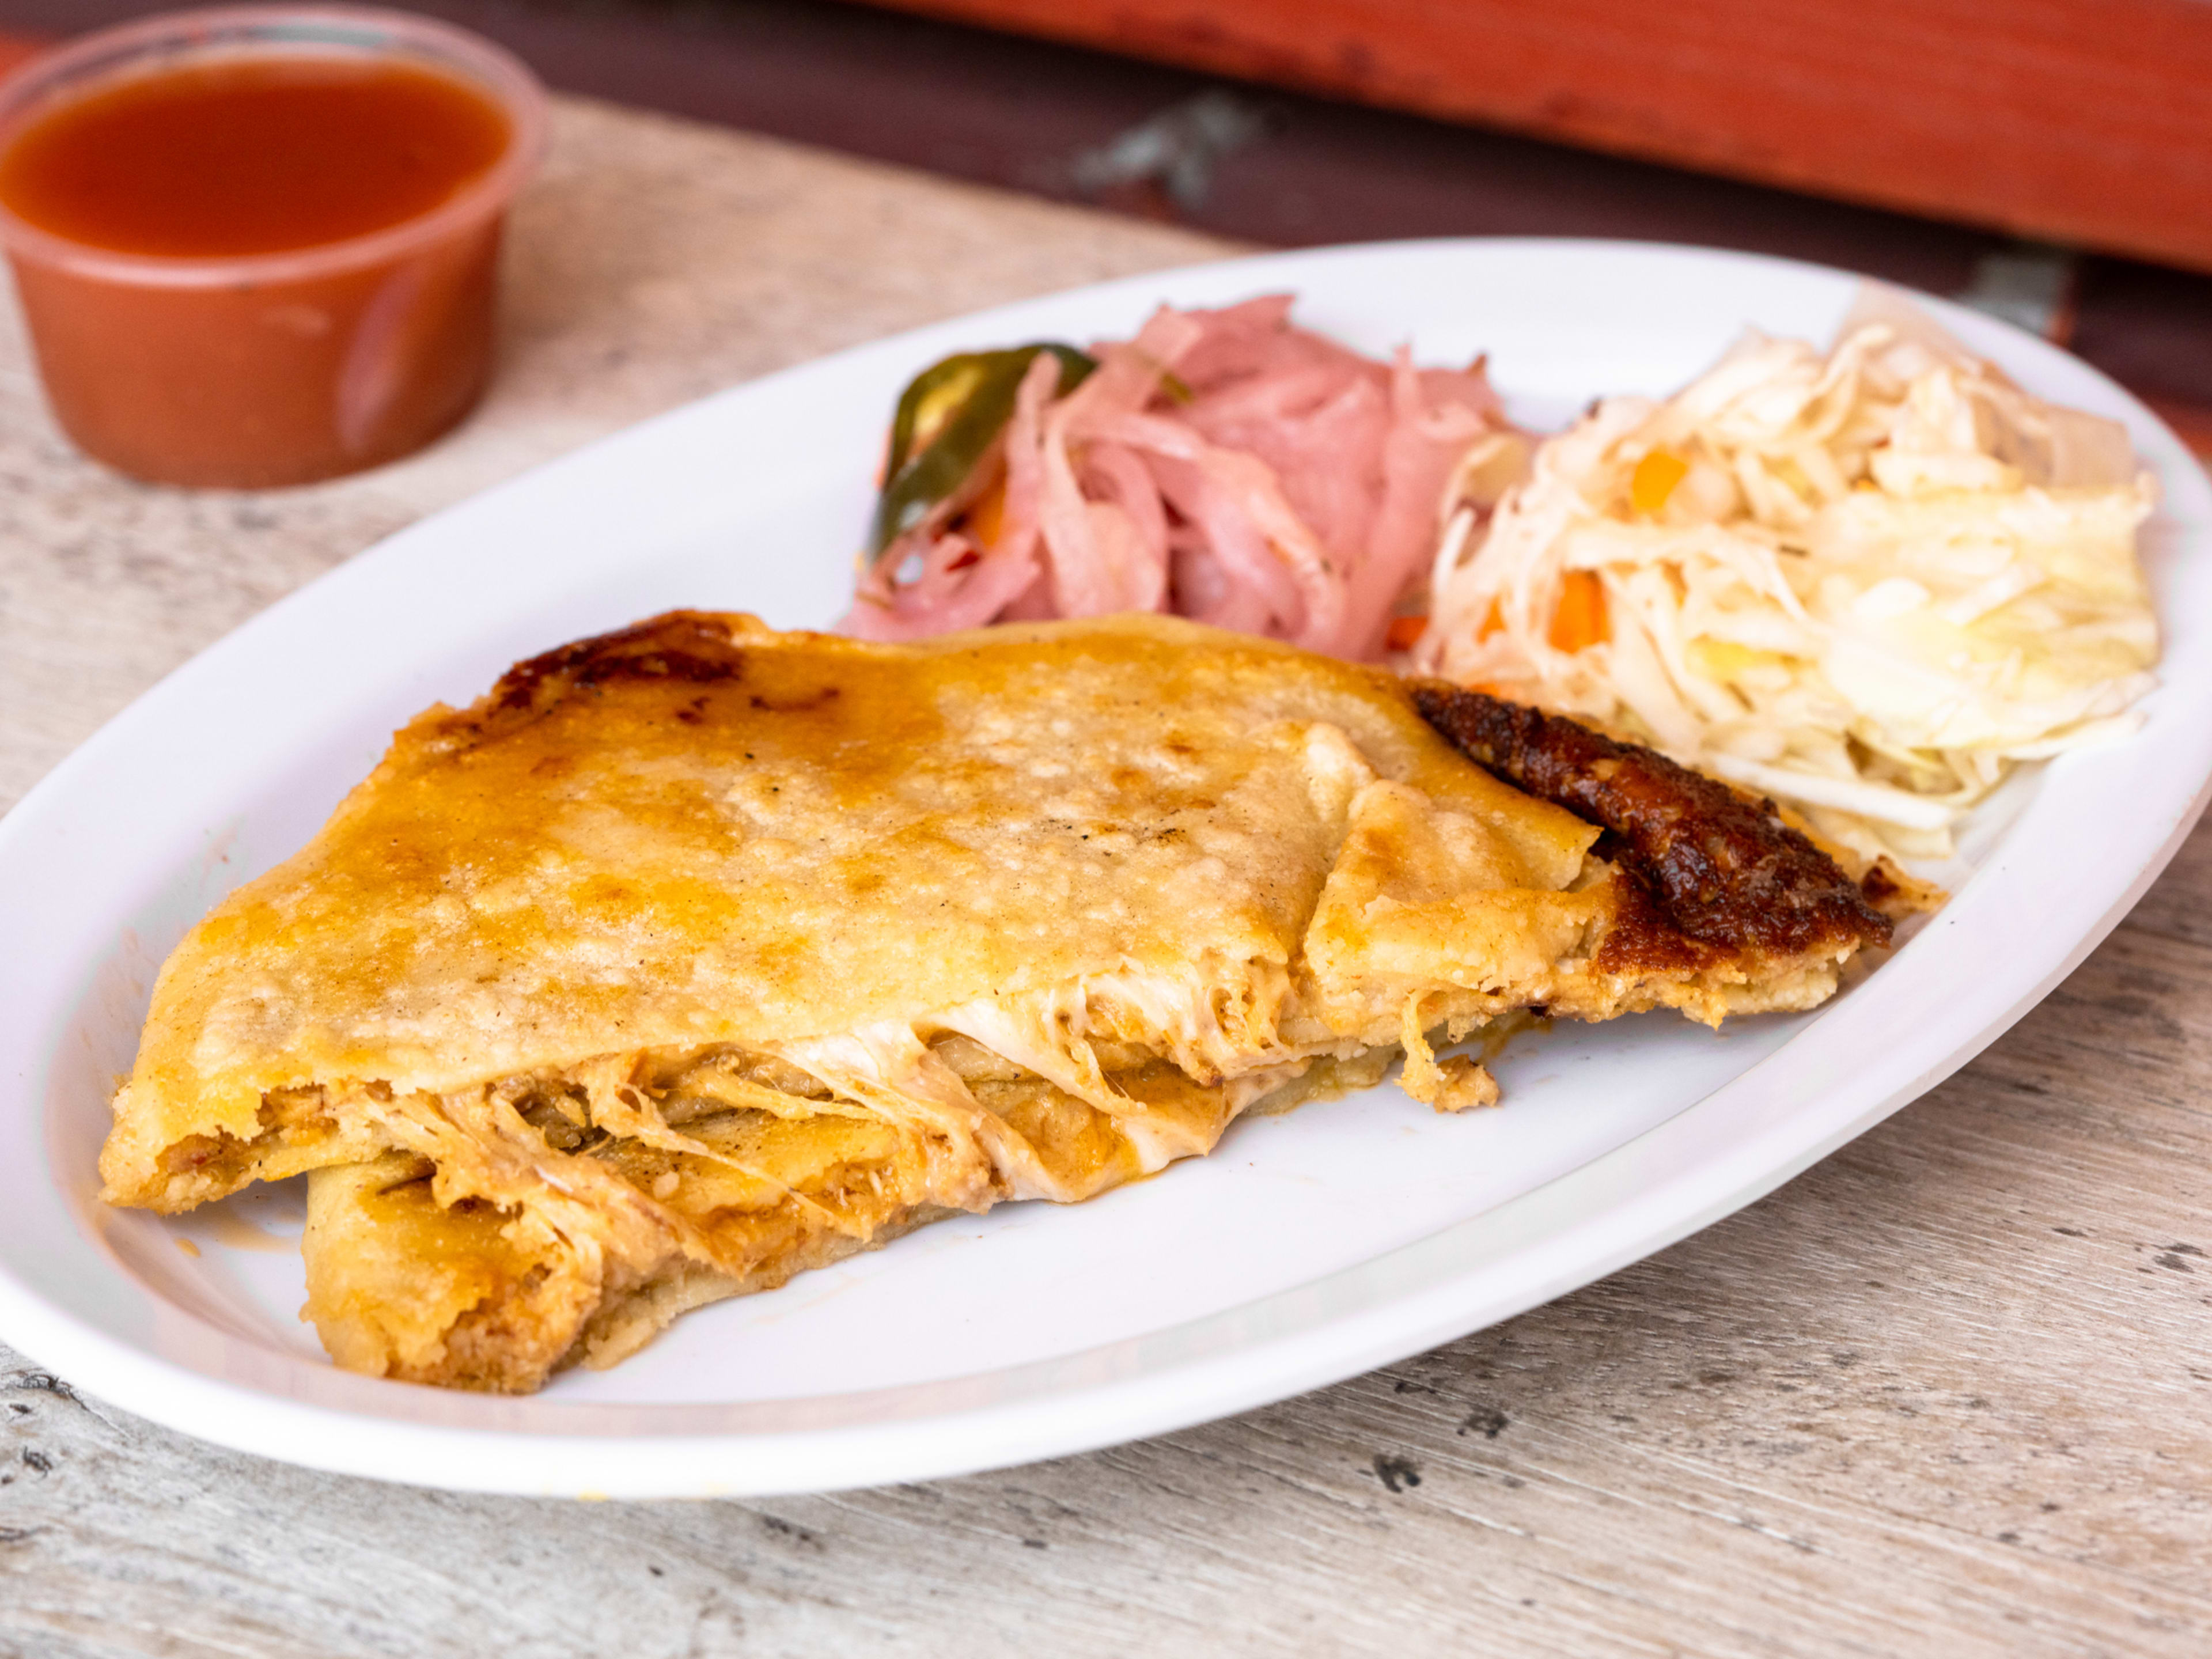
247,1413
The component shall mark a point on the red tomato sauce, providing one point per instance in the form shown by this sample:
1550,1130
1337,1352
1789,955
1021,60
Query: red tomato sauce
240,376
258,156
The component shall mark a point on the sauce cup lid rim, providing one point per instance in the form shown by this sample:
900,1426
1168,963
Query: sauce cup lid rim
490,66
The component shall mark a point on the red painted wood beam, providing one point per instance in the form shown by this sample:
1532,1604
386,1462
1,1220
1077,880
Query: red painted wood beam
2087,122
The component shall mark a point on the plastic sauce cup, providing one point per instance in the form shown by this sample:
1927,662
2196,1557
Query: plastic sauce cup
258,369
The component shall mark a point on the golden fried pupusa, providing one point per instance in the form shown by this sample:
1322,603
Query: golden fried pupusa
697,954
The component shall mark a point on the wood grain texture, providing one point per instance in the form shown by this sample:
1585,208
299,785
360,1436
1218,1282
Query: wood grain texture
1948,1393
2081,121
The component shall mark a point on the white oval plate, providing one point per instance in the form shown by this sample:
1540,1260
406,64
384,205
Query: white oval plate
1310,1248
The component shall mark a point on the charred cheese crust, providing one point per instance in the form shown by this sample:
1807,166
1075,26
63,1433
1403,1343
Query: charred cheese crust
1721,875
697,954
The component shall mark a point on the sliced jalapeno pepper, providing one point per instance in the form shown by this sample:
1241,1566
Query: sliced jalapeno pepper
948,418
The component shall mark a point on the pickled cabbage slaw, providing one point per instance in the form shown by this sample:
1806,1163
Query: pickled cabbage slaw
1867,583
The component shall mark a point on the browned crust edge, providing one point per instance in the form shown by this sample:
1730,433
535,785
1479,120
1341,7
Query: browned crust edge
1713,872
677,645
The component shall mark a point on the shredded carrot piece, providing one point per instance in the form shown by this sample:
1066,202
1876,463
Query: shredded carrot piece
1656,477
1405,632
1494,622
1580,619
988,517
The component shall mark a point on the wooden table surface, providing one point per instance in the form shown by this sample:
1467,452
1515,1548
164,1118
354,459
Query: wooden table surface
1950,1393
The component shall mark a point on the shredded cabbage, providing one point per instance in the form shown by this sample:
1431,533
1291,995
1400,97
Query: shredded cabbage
1867,583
